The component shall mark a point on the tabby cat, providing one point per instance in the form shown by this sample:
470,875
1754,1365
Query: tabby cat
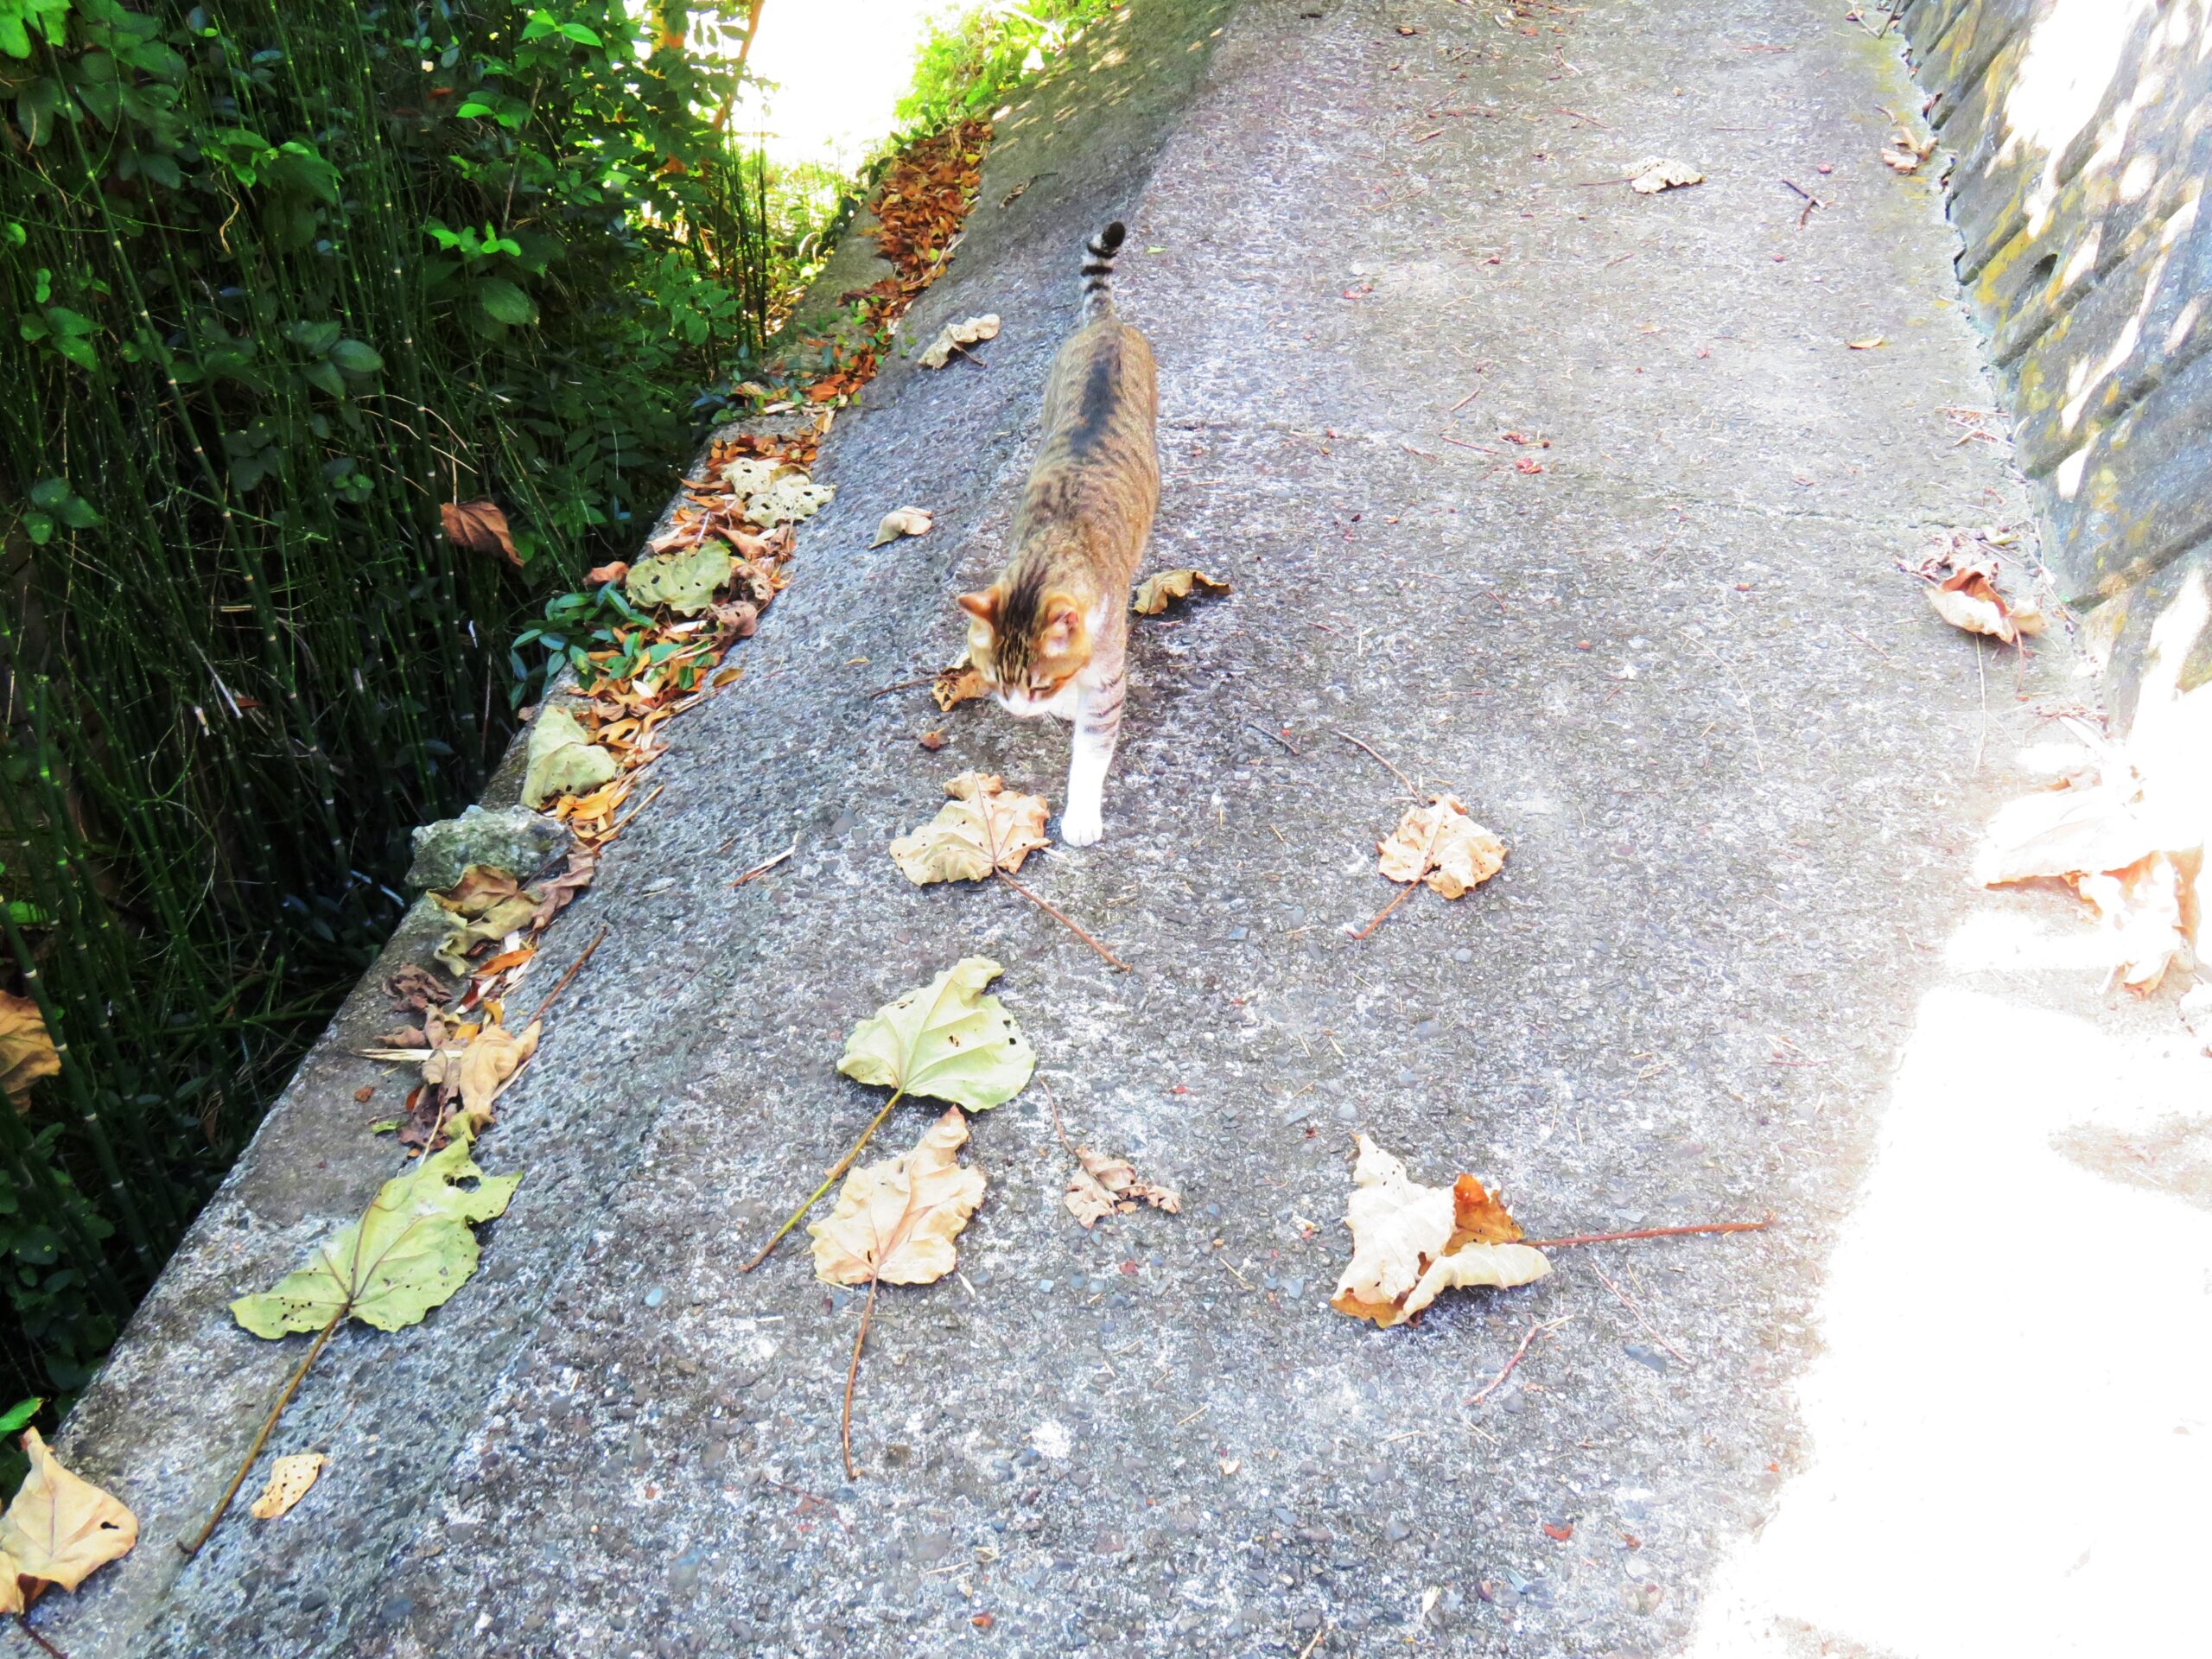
1049,637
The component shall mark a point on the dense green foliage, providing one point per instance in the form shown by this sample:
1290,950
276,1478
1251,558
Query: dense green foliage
974,57
279,280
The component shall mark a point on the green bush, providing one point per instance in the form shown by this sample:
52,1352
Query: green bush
972,59
279,279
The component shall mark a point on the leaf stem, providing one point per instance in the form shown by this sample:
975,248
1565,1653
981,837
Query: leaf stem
267,1427
1427,863
1767,1220
1061,917
842,1164
23,1618
853,1372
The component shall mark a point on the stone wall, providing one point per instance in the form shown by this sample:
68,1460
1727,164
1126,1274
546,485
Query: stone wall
2078,135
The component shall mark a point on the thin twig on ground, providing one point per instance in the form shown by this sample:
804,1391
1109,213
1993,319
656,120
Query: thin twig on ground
852,1375
267,1427
837,1169
562,984
903,685
1277,736
1427,863
766,864
1061,917
1649,1330
1369,747
1054,1104
1492,1386
1767,1220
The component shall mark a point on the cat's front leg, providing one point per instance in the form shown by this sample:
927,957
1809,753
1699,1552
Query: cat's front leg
1097,726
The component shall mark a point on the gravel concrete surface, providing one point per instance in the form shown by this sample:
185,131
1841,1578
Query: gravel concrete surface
1732,966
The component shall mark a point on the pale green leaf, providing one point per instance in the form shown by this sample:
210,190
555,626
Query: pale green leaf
685,582
947,1041
411,1251
563,760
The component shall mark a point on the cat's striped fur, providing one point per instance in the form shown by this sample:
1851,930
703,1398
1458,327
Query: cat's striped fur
1050,636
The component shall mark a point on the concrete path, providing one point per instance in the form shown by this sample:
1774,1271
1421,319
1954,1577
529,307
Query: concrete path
1731,965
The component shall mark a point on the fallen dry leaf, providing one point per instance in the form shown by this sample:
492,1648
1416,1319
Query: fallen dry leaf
492,1057
1106,1186
58,1529
27,1052
1968,599
1410,1242
289,1477
932,741
939,352
896,1221
901,521
981,829
1156,593
1440,844
479,526
956,684
1905,153
1656,173
563,760
2140,908
1866,345
604,573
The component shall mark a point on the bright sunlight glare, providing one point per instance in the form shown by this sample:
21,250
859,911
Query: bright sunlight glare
838,69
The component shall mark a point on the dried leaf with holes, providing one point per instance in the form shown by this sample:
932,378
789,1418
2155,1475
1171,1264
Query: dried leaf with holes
289,1477
58,1529
1107,1186
479,526
981,829
1655,173
896,1221
901,521
563,760
1411,1242
27,1052
946,1040
1439,844
684,583
939,352
1156,593
410,1251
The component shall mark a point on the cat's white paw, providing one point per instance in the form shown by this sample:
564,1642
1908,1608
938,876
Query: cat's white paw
1082,827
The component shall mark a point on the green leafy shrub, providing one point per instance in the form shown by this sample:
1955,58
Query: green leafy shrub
276,281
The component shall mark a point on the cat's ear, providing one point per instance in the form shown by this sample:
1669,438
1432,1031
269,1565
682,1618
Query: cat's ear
1063,629
983,604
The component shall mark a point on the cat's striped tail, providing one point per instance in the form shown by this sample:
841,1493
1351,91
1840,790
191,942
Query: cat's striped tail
1099,271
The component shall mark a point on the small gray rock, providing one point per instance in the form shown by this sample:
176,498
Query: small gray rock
513,839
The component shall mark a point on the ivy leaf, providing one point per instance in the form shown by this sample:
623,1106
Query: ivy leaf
563,760
947,1041
413,1249
59,1530
504,302
19,1414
